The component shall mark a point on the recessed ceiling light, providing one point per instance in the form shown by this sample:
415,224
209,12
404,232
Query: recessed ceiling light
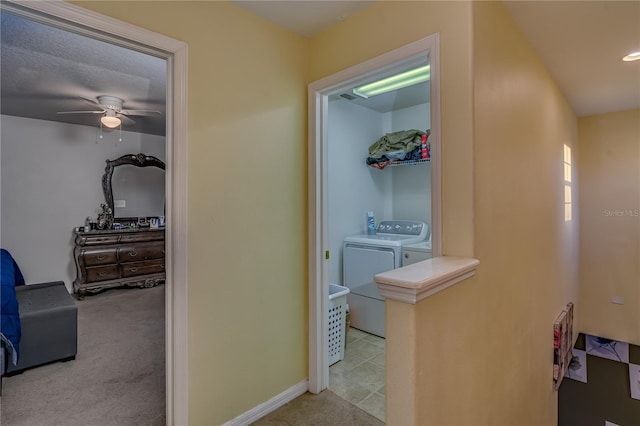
632,57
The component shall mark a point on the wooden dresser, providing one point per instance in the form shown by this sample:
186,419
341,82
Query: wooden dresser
115,258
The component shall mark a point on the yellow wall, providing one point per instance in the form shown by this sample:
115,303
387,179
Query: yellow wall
389,25
609,160
528,253
484,346
247,197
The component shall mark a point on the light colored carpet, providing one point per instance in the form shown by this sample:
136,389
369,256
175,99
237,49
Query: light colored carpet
117,378
323,409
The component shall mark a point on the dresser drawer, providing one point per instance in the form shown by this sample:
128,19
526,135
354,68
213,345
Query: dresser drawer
102,273
97,256
142,268
94,240
142,237
141,252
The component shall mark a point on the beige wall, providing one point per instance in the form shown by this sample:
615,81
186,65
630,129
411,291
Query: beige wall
247,198
484,346
609,160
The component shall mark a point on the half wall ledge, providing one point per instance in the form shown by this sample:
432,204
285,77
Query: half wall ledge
413,283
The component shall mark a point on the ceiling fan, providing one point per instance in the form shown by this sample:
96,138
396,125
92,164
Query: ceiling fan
112,113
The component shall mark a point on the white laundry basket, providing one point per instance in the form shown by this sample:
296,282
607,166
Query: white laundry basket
337,321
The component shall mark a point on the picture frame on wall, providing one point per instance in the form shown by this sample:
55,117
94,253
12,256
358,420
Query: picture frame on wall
562,344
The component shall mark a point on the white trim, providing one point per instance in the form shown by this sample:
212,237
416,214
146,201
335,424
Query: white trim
436,147
318,93
177,308
416,282
317,303
273,404
85,22
318,272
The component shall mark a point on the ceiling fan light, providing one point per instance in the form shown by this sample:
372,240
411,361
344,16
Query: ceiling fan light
110,121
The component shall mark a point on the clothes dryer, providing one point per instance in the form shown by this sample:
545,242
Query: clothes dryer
364,256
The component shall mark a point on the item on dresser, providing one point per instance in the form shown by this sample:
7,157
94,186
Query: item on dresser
115,258
105,217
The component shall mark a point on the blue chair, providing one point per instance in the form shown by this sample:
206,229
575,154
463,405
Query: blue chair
47,325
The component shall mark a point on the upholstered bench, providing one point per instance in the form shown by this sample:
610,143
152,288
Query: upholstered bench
49,319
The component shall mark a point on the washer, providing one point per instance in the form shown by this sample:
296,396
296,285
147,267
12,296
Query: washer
414,253
367,255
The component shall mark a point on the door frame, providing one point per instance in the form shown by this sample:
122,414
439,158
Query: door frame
318,98
85,22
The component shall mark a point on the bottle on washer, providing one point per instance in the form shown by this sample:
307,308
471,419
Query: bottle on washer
371,223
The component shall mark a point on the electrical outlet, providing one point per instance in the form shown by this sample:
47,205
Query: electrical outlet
617,300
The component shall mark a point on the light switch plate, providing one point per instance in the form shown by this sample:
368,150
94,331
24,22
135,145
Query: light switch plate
120,203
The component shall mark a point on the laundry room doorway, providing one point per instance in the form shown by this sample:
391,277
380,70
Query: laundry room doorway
345,182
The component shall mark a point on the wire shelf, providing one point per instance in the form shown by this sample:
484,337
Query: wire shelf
408,162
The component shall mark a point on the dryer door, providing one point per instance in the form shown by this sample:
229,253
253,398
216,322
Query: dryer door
361,263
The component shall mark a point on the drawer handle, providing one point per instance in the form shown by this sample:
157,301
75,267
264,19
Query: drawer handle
101,257
102,274
162,266
133,269
162,251
133,253
406,255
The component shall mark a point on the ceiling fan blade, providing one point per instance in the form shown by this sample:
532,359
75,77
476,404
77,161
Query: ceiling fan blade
126,120
91,101
80,112
139,112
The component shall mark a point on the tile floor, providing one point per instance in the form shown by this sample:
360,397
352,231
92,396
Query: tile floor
359,377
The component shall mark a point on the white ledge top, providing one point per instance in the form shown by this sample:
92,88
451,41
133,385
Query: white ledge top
412,283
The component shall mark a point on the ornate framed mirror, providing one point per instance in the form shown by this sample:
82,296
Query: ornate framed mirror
134,186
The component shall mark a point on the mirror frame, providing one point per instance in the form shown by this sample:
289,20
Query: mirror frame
138,160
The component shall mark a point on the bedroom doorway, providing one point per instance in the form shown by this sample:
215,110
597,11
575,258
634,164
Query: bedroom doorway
95,26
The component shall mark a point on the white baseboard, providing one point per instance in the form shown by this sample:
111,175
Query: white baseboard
273,404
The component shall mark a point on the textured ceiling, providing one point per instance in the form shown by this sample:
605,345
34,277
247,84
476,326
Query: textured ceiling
44,70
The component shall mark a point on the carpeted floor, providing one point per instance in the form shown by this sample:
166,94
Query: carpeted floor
117,378
325,408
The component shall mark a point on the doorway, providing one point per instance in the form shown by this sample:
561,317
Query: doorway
324,248
93,25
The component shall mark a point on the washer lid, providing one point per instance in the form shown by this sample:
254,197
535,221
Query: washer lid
393,233
384,240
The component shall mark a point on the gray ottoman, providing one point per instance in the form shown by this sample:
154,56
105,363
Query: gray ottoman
49,320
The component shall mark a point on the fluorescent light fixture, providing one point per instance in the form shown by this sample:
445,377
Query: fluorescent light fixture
110,120
632,57
395,82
